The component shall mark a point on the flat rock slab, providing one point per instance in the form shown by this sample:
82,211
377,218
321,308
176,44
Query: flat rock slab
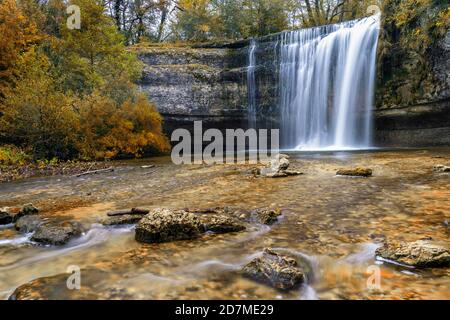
56,233
280,272
165,225
122,220
357,172
419,254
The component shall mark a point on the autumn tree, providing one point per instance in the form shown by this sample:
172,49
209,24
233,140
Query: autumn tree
74,94
110,130
19,35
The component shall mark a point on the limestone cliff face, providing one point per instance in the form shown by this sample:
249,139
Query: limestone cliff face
413,96
188,84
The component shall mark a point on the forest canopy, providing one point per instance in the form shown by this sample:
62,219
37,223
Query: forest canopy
209,20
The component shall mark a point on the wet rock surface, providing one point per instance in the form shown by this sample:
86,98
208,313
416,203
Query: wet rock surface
55,288
52,233
441,168
165,225
420,254
278,168
5,217
27,210
220,223
357,172
279,271
122,220
28,224
267,216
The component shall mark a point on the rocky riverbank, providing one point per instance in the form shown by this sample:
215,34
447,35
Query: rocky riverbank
30,170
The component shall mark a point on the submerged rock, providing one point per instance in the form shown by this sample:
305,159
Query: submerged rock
237,213
27,210
281,272
121,220
357,172
220,223
268,216
165,225
441,168
55,288
56,233
28,224
420,254
5,217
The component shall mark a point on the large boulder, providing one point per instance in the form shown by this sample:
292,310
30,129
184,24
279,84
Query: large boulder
165,225
218,223
357,172
28,224
122,220
56,233
419,254
280,272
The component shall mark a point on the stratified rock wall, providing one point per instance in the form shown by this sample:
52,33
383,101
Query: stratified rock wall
188,84
413,96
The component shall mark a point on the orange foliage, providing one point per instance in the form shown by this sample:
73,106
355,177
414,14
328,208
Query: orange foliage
109,130
18,36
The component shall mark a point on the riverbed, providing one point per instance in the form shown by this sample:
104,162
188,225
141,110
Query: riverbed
336,223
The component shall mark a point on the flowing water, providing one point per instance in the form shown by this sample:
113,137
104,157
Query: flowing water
336,223
251,84
326,83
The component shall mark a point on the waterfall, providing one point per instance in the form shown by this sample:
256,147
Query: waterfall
326,80
251,84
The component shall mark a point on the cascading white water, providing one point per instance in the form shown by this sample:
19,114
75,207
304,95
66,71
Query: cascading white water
327,77
251,84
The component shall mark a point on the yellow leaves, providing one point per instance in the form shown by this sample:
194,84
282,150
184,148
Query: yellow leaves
204,28
443,20
409,10
18,36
